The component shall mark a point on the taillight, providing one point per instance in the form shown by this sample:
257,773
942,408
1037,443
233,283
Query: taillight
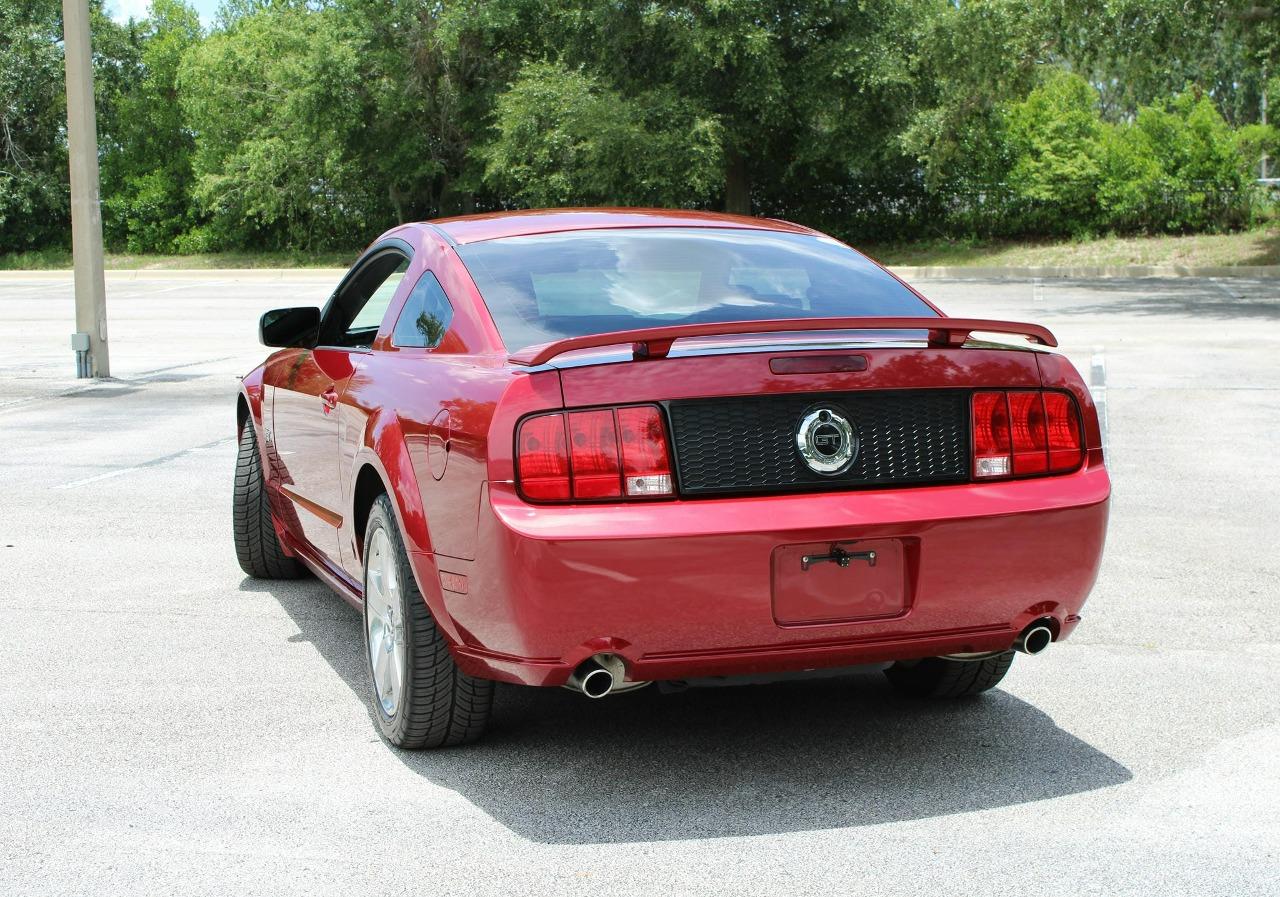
542,458
593,454
645,468
1066,446
991,441
610,453
1026,419
1025,432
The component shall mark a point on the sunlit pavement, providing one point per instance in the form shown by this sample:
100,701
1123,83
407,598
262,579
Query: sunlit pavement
168,725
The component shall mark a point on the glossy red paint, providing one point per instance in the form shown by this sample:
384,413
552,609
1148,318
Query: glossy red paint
678,587
492,226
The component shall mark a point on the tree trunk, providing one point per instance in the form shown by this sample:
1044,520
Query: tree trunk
737,184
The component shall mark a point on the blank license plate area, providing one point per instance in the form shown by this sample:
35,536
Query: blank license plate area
835,582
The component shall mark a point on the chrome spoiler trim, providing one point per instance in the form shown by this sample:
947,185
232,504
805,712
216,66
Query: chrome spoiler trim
655,342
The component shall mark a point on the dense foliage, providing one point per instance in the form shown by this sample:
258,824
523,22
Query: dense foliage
309,125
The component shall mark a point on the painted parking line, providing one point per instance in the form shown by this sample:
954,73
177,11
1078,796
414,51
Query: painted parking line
1225,290
143,375
154,462
182,286
1098,387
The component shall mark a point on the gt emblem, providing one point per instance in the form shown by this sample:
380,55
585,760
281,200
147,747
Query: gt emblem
826,441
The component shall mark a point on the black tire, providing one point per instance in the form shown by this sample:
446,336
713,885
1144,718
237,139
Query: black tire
257,546
937,677
438,705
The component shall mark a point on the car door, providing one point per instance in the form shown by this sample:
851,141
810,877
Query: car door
308,388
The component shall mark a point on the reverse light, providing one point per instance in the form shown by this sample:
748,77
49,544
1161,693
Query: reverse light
1025,432
991,440
645,467
601,454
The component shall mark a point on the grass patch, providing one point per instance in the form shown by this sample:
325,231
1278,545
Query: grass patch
59,259
1253,247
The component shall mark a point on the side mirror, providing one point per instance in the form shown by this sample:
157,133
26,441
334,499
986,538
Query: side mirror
290,328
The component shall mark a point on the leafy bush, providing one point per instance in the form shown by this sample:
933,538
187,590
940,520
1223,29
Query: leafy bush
1177,167
565,139
1054,138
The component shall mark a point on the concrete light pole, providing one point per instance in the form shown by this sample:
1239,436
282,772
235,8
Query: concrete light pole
90,340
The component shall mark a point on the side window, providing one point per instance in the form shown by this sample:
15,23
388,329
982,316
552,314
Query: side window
358,311
426,315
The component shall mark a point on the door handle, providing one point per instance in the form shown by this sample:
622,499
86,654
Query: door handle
330,399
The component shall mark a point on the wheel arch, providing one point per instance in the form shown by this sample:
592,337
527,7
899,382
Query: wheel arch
369,484
249,400
382,466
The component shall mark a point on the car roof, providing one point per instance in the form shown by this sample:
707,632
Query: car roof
476,228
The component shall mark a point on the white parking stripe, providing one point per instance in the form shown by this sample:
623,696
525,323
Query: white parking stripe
154,462
1098,387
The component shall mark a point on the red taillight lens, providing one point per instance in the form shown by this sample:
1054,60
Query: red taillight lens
1025,432
607,453
645,468
542,458
1066,448
1026,419
593,454
991,441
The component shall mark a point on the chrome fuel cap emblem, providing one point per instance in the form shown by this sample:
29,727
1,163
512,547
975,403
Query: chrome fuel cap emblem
827,441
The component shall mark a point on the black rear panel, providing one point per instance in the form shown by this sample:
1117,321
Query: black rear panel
748,443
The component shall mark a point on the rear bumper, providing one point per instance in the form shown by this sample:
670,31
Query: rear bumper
685,588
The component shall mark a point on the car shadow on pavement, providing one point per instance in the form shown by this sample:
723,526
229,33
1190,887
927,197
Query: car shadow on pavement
555,767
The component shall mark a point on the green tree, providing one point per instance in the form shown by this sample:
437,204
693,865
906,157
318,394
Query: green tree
794,90
147,177
564,139
1203,181
273,103
1054,141
33,193
974,59
34,200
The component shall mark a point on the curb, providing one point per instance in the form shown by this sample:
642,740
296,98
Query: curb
907,272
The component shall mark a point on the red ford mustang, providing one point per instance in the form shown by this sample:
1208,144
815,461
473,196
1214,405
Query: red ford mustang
600,449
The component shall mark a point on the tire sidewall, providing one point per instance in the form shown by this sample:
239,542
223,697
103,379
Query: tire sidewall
392,727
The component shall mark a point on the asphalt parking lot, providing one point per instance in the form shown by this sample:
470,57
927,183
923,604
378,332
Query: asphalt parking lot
168,725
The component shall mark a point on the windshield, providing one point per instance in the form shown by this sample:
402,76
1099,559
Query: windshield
547,287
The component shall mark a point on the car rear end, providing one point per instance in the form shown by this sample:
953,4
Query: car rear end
755,502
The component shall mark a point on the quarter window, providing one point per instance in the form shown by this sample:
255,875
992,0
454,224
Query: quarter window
425,317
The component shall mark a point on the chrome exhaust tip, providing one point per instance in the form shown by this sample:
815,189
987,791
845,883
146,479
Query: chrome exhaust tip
598,676
1034,639
596,683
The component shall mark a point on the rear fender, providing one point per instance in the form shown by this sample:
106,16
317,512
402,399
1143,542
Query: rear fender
1056,372
384,449
251,394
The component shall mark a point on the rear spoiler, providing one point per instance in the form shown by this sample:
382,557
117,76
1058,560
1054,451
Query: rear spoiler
655,342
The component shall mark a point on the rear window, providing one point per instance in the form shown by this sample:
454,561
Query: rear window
550,286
